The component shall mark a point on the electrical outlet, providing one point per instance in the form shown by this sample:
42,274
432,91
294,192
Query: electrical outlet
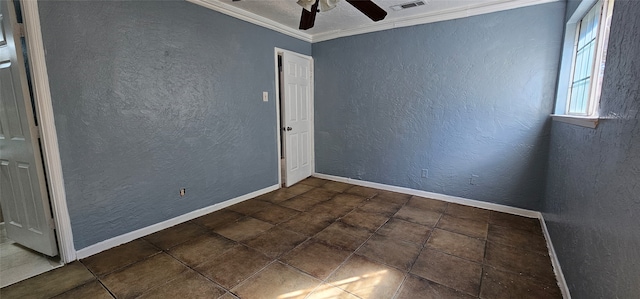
425,173
473,180
182,191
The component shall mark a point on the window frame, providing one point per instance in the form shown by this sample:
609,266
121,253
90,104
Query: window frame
567,68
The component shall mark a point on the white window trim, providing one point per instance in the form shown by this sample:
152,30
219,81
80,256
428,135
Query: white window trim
568,60
584,121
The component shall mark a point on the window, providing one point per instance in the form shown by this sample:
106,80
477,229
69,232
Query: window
583,63
580,78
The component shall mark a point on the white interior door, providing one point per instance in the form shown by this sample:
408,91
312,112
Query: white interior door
24,197
298,108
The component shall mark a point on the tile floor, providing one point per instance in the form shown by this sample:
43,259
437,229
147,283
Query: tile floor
319,239
18,263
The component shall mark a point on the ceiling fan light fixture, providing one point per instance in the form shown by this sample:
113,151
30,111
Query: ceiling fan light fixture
306,4
367,7
326,5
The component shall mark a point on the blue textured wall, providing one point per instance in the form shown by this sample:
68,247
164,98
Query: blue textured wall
592,207
463,97
152,96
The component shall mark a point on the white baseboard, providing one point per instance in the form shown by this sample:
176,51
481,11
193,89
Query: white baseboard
562,283
128,237
438,196
119,240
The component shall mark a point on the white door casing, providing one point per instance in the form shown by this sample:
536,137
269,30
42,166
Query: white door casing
48,134
297,126
23,192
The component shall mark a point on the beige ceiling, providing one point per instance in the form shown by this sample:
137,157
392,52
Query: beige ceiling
345,20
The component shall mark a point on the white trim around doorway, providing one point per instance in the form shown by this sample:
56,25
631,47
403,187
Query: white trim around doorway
49,138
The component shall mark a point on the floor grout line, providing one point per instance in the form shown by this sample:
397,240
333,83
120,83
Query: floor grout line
423,245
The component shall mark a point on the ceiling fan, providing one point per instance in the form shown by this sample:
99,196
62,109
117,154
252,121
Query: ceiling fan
310,8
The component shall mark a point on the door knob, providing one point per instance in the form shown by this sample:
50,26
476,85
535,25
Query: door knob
289,128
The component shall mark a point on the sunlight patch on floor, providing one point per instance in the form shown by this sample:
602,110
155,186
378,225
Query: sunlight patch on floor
364,285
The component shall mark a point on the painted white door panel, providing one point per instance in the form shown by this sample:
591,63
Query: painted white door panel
23,194
297,121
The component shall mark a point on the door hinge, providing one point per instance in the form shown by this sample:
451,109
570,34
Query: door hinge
36,132
20,29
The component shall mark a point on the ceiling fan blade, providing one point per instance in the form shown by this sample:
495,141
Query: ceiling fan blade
370,9
308,18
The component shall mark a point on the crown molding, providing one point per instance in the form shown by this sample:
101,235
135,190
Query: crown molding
250,17
432,17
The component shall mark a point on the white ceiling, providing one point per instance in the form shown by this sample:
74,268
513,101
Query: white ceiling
345,20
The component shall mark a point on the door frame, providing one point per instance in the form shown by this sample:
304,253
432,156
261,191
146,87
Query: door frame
279,51
48,136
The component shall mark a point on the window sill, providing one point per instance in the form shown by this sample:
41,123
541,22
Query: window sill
589,122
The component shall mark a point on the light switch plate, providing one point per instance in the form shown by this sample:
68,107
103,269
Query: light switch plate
265,96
